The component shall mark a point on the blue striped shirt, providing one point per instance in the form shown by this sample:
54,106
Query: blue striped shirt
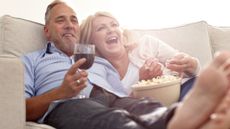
45,69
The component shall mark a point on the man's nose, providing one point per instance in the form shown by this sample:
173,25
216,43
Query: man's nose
68,24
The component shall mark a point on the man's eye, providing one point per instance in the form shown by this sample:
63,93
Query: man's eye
60,21
74,20
115,25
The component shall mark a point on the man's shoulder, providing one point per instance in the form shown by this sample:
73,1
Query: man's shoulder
33,55
37,52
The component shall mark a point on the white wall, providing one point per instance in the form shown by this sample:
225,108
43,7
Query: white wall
132,13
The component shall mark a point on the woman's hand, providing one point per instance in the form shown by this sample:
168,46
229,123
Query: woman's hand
182,63
151,68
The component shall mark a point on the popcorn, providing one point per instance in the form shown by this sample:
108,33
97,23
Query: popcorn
158,80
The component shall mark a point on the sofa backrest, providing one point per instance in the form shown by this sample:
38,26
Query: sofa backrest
219,38
19,36
191,38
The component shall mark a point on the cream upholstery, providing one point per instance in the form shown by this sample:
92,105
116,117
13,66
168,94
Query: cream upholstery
219,38
190,38
19,36
12,107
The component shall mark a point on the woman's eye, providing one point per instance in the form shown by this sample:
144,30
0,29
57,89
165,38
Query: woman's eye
100,28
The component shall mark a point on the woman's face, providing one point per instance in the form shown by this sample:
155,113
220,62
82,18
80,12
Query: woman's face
107,37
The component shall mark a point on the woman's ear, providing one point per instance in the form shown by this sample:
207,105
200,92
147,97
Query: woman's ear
130,46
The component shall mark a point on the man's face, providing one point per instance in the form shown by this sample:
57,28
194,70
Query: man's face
63,28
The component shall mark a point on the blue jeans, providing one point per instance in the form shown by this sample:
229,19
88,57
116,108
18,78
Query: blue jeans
186,87
107,111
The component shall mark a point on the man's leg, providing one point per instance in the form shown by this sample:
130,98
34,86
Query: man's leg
145,111
89,114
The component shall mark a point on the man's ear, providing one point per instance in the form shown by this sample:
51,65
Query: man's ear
46,31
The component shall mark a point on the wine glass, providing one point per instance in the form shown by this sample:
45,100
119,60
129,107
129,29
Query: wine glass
86,51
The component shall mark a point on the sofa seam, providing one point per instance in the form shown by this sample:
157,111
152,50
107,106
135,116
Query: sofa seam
1,34
179,26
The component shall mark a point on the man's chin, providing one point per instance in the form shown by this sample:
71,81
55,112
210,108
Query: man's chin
70,39
71,43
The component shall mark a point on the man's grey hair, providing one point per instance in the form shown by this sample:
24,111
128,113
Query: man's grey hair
49,8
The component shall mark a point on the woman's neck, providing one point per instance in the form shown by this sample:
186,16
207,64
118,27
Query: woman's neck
120,63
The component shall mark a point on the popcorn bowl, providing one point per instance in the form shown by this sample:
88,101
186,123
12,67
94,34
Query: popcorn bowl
167,92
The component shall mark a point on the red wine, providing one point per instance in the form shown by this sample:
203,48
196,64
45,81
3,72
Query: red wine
89,60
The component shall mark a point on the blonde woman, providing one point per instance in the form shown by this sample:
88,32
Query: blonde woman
143,59
114,69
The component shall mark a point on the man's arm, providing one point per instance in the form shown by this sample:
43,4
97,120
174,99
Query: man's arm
37,106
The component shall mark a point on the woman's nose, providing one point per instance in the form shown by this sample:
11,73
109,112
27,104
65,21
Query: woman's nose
110,29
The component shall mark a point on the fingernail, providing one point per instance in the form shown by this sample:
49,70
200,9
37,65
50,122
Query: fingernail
146,68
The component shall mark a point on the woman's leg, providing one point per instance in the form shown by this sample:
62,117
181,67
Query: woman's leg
220,119
185,88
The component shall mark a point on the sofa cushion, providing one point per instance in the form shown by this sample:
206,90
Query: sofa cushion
33,125
219,38
190,38
19,36
12,106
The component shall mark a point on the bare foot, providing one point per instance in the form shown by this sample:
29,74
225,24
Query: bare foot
209,89
222,122
220,119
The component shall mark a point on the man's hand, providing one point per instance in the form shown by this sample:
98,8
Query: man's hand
74,80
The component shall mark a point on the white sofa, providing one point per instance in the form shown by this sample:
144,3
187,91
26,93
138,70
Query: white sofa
19,36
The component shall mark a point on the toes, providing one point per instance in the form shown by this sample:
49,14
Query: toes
220,58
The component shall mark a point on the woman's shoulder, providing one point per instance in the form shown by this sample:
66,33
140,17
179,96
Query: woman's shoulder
149,38
148,41
100,64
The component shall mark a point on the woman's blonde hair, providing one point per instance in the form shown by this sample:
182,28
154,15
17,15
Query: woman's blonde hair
86,29
86,26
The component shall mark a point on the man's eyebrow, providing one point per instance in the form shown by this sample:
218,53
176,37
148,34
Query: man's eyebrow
60,17
63,16
73,16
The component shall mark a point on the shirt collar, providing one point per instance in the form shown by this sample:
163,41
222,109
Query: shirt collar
51,48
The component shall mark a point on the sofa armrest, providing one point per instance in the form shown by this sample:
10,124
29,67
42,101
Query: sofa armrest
12,102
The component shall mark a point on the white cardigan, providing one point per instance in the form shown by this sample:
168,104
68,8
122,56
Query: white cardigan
148,47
